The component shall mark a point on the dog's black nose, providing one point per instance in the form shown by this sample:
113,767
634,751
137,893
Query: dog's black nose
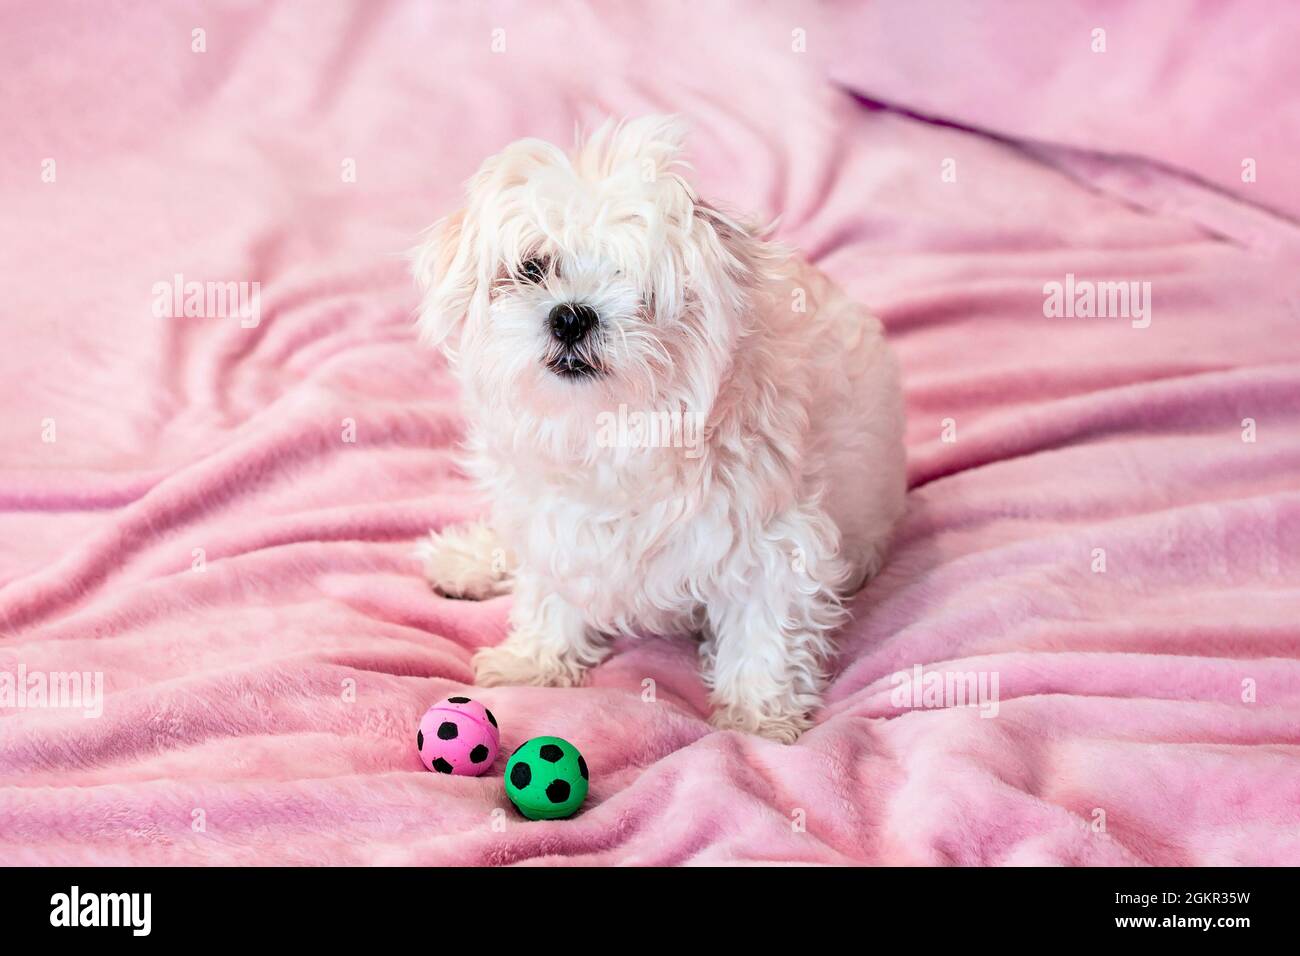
569,323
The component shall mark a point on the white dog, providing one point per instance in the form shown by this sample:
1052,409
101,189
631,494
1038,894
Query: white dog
572,288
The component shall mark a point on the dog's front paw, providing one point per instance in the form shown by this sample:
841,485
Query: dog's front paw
783,728
504,664
466,562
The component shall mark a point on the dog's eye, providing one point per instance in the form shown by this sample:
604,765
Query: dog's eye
533,270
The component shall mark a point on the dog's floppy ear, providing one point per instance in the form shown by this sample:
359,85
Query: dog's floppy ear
445,272
744,253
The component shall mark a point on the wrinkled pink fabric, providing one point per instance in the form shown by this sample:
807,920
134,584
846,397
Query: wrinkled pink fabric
263,709
1208,87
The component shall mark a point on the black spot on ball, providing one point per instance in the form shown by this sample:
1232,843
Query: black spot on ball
521,775
458,700
447,730
550,753
582,767
491,720
419,740
478,754
441,766
558,791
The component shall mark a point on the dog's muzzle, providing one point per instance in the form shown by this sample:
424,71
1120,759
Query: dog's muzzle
571,323
571,326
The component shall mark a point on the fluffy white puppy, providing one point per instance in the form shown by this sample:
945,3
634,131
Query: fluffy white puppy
680,427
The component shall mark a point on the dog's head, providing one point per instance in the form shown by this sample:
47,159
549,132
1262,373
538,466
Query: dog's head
571,282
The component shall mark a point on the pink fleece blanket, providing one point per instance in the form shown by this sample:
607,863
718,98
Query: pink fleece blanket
216,511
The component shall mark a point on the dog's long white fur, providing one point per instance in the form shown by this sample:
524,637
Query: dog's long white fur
754,538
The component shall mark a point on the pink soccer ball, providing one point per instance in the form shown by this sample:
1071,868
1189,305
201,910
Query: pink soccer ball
459,736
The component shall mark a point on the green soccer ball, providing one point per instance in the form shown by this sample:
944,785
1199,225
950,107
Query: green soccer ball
546,778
